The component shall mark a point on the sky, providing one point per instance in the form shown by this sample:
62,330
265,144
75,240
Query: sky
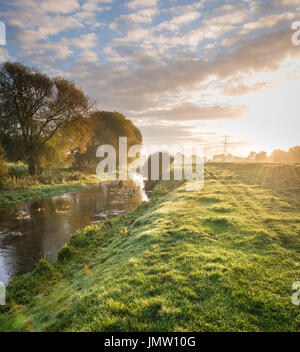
183,71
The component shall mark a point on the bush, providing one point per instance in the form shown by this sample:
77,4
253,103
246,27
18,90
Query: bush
83,237
66,253
44,267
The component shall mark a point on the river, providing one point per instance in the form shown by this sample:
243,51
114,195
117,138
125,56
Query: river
30,231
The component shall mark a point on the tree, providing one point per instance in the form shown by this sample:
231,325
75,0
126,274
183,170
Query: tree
252,156
261,157
35,110
219,158
294,154
3,167
279,156
108,127
74,138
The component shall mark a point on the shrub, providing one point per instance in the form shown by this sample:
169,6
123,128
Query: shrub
44,267
83,237
65,253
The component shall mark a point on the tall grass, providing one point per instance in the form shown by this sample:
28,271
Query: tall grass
17,169
19,186
19,178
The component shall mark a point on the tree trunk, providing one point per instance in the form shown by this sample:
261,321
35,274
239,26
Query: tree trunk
32,169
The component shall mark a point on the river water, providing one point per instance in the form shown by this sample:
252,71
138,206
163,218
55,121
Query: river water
30,231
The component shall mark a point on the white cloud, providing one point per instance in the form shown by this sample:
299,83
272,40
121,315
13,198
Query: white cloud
228,19
47,51
135,4
57,24
178,21
195,36
65,6
179,10
142,16
189,112
85,41
267,22
36,19
89,56
287,2
28,37
96,6
135,35
233,40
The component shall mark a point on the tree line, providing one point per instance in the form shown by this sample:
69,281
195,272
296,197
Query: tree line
48,122
292,155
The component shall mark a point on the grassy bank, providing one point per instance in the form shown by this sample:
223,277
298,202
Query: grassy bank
24,188
222,259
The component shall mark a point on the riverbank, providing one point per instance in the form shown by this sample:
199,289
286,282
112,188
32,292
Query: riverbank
222,259
40,190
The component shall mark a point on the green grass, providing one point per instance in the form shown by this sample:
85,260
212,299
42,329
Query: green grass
222,259
23,192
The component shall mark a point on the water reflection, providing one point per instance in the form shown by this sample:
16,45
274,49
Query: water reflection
30,231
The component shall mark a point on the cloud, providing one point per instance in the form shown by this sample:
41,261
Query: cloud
228,19
85,41
4,55
132,20
143,16
179,10
96,5
64,7
135,4
156,132
48,18
57,24
241,89
189,112
47,51
57,7
35,19
138,89
28,37
267,22
196,36
122,53
287,2
89,56
135,35
233,40
178,21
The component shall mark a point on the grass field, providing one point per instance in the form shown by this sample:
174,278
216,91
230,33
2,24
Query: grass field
25,188
222,259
